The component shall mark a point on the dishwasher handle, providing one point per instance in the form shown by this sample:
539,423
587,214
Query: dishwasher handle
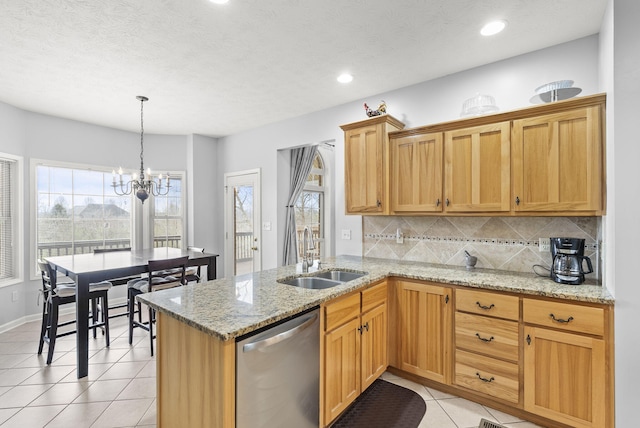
270,341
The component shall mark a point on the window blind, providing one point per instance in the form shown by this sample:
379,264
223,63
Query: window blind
7,218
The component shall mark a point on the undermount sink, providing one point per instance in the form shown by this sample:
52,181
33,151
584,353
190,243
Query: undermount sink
311,282
322,280
340,275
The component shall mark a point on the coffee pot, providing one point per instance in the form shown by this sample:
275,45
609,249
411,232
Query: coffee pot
568,257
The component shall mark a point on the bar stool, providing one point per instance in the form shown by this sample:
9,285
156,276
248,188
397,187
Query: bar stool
156,280
56,294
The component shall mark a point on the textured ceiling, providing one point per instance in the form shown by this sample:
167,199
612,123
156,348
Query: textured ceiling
219,69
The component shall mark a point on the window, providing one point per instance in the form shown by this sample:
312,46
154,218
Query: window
9,219
168,217
310,207
77,211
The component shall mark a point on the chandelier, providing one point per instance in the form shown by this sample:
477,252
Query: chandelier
143,185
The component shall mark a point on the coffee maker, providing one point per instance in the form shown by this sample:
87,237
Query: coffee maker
568,255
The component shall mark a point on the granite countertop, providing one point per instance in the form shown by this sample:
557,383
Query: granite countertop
231,307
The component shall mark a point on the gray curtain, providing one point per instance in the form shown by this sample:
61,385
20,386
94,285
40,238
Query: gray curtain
301,163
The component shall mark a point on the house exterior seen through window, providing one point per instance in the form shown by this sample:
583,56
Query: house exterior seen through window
309,208
78,211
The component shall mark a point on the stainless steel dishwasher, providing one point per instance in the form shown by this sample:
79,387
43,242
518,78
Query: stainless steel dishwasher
277,375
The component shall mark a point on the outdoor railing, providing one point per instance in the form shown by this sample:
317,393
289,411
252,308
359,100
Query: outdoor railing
82,247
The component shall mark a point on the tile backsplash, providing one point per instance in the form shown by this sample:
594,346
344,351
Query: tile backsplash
505,243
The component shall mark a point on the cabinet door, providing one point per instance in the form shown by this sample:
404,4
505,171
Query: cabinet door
374,344
364,169
423,322
564,377
416,173
477,173
342,368
557,162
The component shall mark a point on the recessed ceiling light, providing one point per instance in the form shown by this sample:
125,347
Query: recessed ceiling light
345,78
493,27
219,1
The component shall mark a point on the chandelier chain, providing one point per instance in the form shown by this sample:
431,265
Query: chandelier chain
143,186
142,100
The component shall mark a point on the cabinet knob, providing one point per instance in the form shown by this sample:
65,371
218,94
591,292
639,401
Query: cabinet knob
447,202
517,200
438,202
528,339
379,203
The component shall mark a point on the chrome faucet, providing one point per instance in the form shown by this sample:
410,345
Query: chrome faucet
306,247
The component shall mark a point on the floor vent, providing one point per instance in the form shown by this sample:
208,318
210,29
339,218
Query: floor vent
488,424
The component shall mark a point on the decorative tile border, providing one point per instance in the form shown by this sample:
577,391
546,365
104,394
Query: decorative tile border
589,246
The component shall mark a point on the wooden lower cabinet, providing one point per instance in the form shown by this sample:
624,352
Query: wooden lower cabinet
546,360
423,329
354,348
564,377
196,377
568,362
487,375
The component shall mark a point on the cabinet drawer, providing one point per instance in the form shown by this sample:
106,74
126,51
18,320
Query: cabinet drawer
487,375
566,316
341,311
374,296
487,303
489,336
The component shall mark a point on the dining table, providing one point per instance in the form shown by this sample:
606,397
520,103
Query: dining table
95,267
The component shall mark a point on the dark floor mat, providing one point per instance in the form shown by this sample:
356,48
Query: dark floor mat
384,405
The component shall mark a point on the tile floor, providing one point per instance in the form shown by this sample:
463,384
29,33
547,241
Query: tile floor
121,387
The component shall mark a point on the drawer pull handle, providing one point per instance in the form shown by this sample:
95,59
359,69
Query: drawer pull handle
486,308
484,339
484,379
560,320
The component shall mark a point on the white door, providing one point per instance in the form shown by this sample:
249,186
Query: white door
242,221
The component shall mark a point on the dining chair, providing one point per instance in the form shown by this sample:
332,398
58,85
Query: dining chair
156,280
116,281
61,293
192,273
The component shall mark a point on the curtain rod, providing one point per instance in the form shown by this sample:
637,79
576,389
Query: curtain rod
327,143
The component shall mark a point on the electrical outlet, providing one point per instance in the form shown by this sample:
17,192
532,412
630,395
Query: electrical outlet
346,234
399,237
266,225
14,296
544,245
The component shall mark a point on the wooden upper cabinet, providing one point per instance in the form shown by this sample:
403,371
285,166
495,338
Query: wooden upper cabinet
477,168
558,162
416,173
366,164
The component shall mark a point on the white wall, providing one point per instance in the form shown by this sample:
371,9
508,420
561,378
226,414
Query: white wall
622,251
512,83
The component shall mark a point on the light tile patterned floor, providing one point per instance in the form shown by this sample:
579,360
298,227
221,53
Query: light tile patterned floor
120,389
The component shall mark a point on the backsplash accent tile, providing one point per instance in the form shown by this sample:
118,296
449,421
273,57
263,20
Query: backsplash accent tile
504,243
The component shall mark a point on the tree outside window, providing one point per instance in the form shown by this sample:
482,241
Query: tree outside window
309,208
78,211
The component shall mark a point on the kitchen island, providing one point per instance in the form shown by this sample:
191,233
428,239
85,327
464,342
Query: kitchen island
198,324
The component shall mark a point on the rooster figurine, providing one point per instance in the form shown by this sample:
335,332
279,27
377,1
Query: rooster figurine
382,109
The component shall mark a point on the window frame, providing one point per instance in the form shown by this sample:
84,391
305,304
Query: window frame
141,214
17,219
322,211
